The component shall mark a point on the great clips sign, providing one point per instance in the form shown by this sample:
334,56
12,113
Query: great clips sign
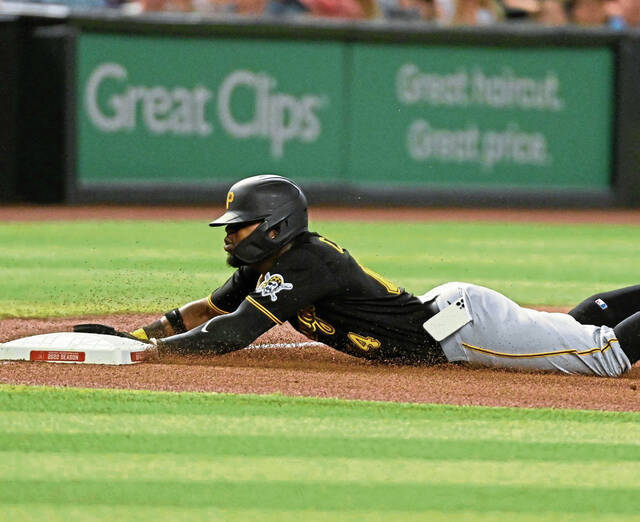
154,109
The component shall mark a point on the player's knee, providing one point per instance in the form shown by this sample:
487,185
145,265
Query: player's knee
590,311
628,335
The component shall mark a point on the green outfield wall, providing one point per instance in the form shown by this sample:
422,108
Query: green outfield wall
177,108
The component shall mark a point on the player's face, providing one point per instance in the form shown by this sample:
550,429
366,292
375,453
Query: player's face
235,234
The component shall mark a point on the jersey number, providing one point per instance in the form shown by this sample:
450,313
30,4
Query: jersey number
310,323
364,343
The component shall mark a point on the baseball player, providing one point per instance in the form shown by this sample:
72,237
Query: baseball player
286,273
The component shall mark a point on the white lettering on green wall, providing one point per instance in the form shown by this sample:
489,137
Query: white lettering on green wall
114,105
505,90
277,117
469,145
180,110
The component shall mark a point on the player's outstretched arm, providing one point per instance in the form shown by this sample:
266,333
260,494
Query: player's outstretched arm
221,334
178,320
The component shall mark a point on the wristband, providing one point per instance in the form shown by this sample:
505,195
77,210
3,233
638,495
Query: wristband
175,320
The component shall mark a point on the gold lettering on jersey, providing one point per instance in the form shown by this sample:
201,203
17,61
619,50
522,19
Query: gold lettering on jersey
391,288
331,244
310,323
230,197
364,343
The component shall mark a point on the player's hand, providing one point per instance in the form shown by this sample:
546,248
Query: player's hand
105,330
151,354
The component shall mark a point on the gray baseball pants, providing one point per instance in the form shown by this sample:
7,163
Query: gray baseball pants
503,334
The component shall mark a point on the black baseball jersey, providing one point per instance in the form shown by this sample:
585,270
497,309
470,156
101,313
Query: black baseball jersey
324,293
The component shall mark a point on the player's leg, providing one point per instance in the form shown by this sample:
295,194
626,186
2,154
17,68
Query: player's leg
608,308
628,333
503,334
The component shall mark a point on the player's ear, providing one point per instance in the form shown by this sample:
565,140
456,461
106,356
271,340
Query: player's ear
274,232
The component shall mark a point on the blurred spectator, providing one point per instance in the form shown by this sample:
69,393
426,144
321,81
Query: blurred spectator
248,7
285,8
75,4
212,6
150,6
616,14
334,8
423,10
543,12
551,13
597,13
370,8
348,9
242,7
631,10
477,12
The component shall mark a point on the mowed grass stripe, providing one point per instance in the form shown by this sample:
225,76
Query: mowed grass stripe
310,447
177,468
322,495
534,430
339,473
60,254
19,398
69,513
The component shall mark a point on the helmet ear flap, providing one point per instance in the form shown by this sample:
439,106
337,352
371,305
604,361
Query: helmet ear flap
259,245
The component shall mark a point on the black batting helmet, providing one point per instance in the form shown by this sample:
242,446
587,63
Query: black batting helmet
273,200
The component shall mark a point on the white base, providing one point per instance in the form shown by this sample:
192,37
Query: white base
74,347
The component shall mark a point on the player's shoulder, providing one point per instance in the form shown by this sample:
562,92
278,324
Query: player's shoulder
310,251
314,244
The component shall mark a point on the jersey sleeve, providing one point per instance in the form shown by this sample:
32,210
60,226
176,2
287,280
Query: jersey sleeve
294,282
228,297
221,334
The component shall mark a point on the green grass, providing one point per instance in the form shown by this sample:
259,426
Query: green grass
68,455
98,455
70,268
